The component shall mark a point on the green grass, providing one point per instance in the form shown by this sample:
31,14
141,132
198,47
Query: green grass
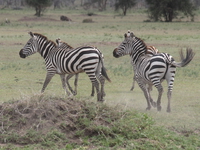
21,78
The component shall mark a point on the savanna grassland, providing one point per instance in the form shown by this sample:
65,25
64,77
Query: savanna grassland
23,78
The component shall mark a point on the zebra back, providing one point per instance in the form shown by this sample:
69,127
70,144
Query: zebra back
151,50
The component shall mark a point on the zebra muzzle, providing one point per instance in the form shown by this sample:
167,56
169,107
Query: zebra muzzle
21,54
115,53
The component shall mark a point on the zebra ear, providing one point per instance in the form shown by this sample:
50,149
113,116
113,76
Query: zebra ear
57,40
125,35
31,34
132,35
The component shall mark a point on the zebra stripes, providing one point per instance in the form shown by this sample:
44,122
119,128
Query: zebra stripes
61,61
63,45
151,50
151,70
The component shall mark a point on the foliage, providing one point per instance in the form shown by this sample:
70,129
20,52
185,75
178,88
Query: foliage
169,9
124,5
101,4
39,5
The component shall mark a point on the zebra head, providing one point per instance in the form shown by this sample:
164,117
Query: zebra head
126,46
30,47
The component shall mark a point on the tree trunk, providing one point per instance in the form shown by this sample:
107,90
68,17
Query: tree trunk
124,11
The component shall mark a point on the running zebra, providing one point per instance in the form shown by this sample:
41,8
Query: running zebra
64,45
151,50
61,61
151,70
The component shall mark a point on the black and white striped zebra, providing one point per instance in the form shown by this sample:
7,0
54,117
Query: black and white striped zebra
61,61
151,50
66,46
151,70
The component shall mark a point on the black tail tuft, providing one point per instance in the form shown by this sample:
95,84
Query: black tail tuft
103,71
184,60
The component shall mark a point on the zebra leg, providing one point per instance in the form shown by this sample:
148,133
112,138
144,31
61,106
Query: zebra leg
102,81
160,91
95,83
92,94
67,81
169,93
62,76
134,78
47,80
146,94
133,85
151,99
76,83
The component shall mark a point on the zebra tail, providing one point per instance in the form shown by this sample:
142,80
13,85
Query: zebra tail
103,71
184,60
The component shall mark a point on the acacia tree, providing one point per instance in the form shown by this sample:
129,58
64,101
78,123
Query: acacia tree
124,5
39,5
169,9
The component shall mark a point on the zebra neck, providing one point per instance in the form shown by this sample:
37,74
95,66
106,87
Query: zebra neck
139,49
136,56
45,48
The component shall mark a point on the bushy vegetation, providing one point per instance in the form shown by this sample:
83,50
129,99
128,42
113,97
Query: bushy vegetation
53,122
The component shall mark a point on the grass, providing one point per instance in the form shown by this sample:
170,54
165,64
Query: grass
57,123
22,78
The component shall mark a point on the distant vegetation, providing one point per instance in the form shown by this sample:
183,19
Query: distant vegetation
166,10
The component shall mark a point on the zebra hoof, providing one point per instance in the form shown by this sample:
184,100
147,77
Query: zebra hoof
74,93
159,108
168,110
148,108
154,104
92,94
101,101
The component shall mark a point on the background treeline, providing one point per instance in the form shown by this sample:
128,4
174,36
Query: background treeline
97,4
158,10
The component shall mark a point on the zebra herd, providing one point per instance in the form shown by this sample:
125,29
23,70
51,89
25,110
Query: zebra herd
150,67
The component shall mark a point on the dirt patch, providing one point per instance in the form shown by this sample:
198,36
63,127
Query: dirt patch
37,19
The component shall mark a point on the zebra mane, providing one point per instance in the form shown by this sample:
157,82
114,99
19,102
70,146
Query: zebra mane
45,38
142,42
67,44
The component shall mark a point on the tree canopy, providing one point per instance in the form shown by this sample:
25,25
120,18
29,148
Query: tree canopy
169,9
124,5
39,5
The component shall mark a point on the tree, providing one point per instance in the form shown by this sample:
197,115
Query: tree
124,5
101,4
39,5
169,9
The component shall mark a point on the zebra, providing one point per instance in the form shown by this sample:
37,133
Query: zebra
151,70
63,45
61,61
151,50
